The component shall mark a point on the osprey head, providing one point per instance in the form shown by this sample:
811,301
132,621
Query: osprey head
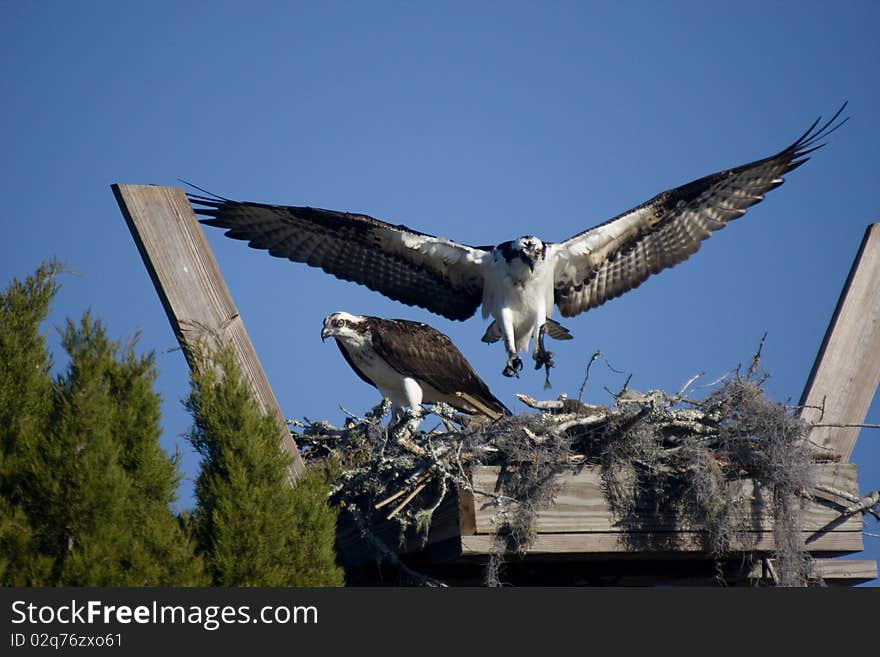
528,248
343,326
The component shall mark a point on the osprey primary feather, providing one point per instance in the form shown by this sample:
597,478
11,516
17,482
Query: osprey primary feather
516,282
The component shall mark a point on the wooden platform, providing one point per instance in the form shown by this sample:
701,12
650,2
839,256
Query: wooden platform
580,533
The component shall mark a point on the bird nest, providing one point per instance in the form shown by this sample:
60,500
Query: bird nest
671,454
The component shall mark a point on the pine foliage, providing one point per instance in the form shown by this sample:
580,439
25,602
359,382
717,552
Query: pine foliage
25,391
251,526
86,488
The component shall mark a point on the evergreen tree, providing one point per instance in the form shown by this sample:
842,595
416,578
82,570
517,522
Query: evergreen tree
252,527
86,487
25,404
112,501
21,563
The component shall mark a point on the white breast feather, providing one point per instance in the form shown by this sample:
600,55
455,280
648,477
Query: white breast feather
528,295
388,380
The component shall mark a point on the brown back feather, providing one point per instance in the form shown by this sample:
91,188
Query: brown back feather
422,352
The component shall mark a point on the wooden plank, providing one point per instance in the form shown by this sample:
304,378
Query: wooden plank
581,506
847,369
849,571
846,572
654,544
192,290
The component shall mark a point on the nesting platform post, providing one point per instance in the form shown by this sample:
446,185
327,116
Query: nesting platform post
192,290
846,372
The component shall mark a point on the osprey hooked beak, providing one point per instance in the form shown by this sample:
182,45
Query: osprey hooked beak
325,332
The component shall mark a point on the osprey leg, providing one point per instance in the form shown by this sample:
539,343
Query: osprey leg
541,355
514,362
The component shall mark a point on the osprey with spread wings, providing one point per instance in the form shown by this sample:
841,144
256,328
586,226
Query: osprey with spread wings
517,282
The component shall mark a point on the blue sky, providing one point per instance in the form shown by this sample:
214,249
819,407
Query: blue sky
477,121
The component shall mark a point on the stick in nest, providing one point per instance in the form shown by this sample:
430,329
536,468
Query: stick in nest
390,499
407,500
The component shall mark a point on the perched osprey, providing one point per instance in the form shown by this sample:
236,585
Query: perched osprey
410,363
517,282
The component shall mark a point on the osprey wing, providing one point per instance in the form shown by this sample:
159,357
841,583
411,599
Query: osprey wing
414,268
619,255
419,351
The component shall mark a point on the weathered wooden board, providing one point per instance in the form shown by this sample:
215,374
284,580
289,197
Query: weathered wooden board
846,572
654,544
847,369
192,290
851,571
580,505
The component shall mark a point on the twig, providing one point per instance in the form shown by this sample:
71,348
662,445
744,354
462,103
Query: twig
410,446
546,405
651,397
687,385
562,403
406,500
579,422
587,374
535,440
596,355
321,425
864,503
857,503
717,381
831,490
757,357
620,393
388,500
352,415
